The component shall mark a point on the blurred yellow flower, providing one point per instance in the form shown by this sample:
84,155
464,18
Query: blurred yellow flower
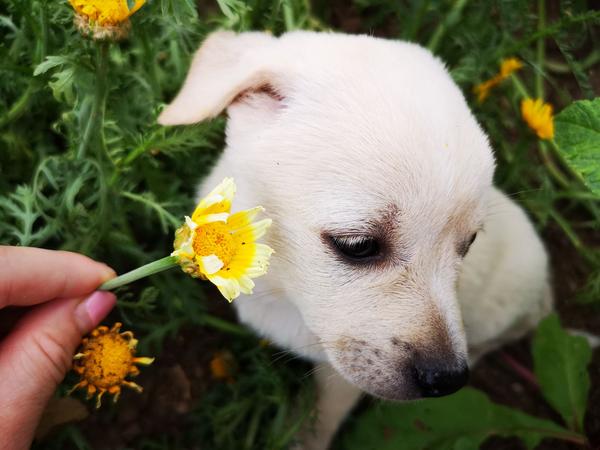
507,67
106,12
105,359
221,247
222,366
538,115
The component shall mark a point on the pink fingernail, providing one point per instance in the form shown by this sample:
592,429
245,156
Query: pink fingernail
96,307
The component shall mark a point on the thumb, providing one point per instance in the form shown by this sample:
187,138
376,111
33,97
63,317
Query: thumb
37,354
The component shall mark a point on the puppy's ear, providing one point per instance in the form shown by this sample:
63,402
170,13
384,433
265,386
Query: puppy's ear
226,66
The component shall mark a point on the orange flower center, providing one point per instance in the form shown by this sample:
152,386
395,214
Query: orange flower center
109,360
214,239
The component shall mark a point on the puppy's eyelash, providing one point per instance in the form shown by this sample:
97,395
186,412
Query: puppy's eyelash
464,246
356,248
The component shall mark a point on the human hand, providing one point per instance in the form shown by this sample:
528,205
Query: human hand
37,352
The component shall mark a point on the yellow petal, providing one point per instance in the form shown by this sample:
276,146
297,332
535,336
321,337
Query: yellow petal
260,264
143,360
218,200
243,218
138,5
508,66
253,231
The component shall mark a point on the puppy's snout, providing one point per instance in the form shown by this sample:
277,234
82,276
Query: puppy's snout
436,378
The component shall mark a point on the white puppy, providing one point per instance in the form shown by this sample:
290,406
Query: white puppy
378,180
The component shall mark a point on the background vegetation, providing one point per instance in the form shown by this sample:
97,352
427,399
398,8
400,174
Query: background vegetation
84,167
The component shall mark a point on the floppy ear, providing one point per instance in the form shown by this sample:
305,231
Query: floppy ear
225,67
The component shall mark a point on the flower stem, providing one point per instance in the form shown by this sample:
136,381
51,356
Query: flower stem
540,50
96,118
141,272
451,18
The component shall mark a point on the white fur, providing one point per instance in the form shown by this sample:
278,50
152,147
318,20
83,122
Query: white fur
345,134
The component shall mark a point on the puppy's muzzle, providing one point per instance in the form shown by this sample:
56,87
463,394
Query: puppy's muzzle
435,378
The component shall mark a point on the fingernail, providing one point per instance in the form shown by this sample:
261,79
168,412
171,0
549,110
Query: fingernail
93,309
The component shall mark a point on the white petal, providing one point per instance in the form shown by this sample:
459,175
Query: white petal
190,223
211,264
229,287
208,218
246,284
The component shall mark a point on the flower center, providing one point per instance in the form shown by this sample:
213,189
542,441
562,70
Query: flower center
109,360
214,239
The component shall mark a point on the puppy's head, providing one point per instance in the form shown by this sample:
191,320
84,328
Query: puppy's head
375,173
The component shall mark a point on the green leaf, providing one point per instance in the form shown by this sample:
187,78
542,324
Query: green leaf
21,220
50,62
578,139
561,362
460,421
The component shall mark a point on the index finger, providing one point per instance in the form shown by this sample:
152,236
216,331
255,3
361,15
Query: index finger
33,275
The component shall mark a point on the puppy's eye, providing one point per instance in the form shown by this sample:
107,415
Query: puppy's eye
357,247
464,246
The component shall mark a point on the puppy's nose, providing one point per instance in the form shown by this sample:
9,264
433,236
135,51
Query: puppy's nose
435,379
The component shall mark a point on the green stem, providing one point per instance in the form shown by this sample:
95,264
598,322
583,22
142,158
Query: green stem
224,325
141,272
173,221
552,169
22,103
540,50
140,149
554,28
288,16
519,86
96,118
418,12
19,107
451,18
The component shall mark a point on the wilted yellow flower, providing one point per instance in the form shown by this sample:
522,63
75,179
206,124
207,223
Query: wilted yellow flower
104,18
105,359
221,247
538,115
507,67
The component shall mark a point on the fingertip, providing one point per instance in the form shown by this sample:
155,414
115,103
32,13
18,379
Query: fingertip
93,309
107,272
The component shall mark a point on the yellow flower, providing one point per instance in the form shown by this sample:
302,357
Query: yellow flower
105,359
483,89
538,116
104,18
221,247
507,67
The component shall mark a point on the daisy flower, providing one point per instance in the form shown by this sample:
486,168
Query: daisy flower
222,247
538,116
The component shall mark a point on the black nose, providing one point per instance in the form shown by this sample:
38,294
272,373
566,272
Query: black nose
435,379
